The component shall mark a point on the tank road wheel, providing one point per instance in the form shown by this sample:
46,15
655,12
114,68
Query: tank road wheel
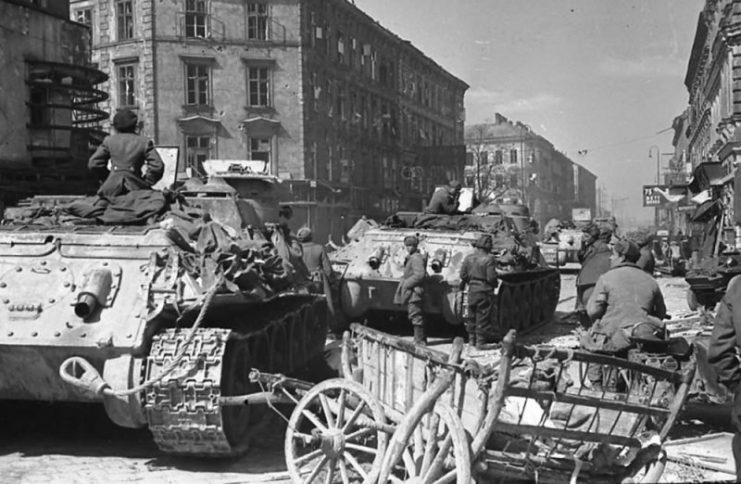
506,305
437,450
333,435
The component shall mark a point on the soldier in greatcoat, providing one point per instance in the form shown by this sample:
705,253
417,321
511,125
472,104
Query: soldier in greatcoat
410,291
479,273
128,154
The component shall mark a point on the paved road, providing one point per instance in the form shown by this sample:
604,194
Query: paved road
77,444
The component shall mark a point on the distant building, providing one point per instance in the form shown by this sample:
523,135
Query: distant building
48,110
713,144
355,119
507,160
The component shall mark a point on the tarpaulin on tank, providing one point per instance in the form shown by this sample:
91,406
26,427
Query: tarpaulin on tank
136,207
459,222
248,262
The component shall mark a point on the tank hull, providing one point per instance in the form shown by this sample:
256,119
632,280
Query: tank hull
369,270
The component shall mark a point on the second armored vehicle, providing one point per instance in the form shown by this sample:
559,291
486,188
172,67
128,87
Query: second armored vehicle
370,266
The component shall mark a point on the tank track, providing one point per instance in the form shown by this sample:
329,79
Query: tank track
183,410
527,304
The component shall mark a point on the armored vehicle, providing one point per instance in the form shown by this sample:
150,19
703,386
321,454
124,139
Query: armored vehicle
161,322
708,279
370,266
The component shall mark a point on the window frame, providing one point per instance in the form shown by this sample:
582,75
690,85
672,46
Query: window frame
77,13
123,97
200,19
124,20
259,86
192,152
268,140
207,65
260,16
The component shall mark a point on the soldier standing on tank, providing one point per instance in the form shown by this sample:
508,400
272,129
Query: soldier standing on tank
128,153
411,288
316,260
479,272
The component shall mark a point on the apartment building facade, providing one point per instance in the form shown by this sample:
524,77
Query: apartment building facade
354,119
508,160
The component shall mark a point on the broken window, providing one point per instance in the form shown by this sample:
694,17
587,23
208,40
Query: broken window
126,85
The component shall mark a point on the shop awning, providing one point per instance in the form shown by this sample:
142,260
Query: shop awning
705,211
705,175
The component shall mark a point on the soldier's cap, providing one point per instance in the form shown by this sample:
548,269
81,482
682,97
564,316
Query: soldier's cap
484,242
303,234
411,240
455,184
591,229
125,120
627,249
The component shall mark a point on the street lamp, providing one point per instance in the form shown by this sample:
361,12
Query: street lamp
658,162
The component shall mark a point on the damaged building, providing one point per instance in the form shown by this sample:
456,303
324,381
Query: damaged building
49,116
355,120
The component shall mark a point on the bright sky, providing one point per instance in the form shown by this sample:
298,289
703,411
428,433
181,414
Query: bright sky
600,75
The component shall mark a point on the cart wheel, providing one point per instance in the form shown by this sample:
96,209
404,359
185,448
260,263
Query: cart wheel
437,450
333,435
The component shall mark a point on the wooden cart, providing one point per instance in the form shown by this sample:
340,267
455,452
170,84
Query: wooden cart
406,413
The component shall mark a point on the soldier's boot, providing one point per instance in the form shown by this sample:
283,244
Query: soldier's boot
420,337
471,331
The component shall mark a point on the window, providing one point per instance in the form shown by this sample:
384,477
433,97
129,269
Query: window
498,157
125,19
198,84
340,48
195,18
258,86
84,16
257,21
126,85
197,150
513,157
260,149
513,181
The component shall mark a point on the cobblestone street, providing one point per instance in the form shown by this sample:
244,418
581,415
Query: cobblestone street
77,444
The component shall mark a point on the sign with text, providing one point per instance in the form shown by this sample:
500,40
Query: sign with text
660,195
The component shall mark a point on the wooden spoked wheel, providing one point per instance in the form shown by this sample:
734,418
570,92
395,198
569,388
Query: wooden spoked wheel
437,451
334,435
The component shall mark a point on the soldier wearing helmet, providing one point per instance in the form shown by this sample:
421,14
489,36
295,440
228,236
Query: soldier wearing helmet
316,260
479,272
128,154
411,288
